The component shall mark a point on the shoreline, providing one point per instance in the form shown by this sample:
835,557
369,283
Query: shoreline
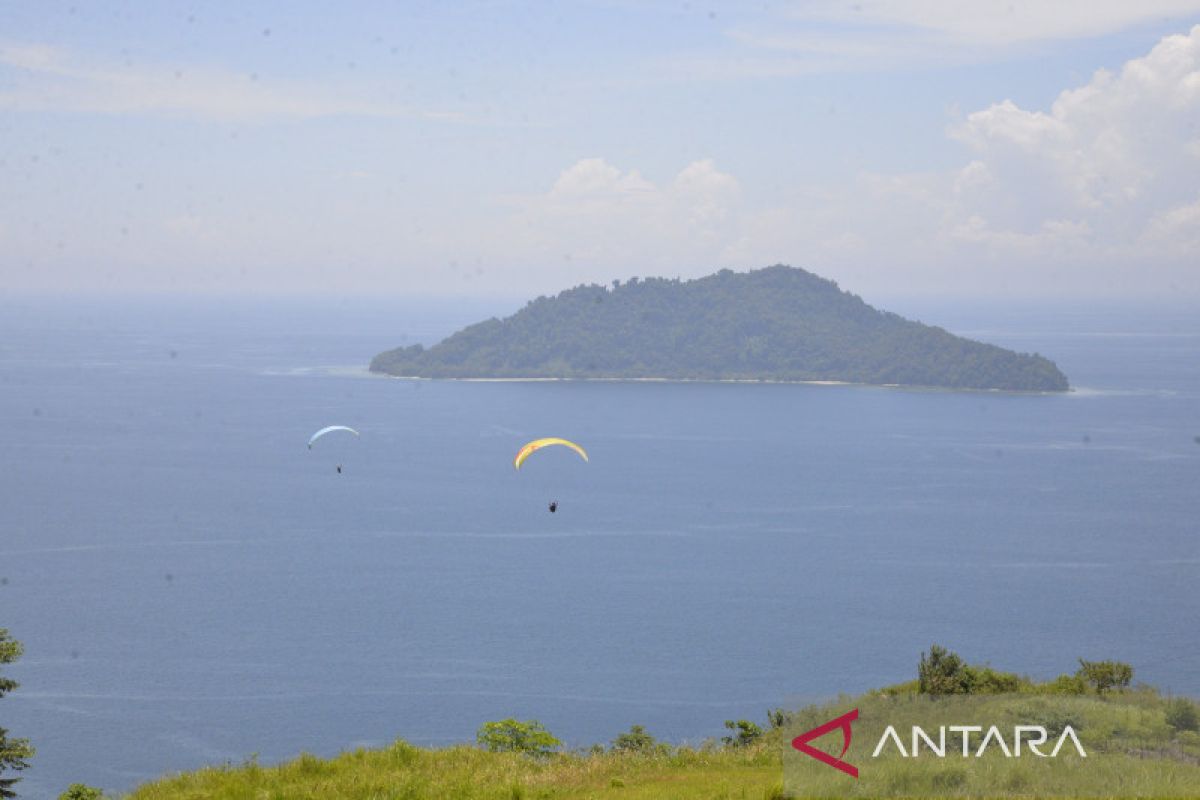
774,381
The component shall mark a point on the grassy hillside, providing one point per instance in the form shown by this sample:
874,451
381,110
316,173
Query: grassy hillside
1140,744
1132,749
403,771
1139,755
777,323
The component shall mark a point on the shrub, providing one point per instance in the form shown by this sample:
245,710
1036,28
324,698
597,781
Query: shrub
636,740
985,680
777,718
512,736
81,791
942,672
1182,715
745,733
1065,684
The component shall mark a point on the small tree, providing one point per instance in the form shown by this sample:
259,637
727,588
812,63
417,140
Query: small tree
637,740
14,753
745,733
1105,675
942,672
81,791
512,736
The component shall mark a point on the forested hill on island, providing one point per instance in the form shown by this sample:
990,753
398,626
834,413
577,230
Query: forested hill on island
779,323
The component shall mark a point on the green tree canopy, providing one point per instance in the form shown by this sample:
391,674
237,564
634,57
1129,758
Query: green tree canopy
745,733
635,740
942,672
777,323
1105,675
513,736
14,753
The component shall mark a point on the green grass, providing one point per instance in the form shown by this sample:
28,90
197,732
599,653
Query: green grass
404,772
1133,751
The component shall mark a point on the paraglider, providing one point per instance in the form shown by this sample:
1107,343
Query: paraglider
330,429
537,444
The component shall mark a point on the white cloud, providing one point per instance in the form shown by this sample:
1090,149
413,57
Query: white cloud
822,36
1096,193
33,56
1115,152
1176,230
595,214
997,22
1055,237
42,77
596,179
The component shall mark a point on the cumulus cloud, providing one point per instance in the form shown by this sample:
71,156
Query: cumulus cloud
1110,157
1097,192
594,179
597,214
1175,231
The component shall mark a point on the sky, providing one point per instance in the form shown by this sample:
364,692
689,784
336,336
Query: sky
932,148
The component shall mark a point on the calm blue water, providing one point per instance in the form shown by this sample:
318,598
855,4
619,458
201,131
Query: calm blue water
193,586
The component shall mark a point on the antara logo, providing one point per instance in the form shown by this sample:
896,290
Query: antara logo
801,742
1032,736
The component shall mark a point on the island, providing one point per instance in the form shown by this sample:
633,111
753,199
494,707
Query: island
779,323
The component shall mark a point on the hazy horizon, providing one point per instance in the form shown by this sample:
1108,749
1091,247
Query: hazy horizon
882,299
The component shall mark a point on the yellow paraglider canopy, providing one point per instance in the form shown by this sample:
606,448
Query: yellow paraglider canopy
538,444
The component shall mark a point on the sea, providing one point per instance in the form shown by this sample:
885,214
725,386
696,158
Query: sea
193,585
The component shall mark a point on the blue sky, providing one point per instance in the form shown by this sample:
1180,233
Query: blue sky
928,148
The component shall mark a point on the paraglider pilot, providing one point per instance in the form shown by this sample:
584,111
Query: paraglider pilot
553,506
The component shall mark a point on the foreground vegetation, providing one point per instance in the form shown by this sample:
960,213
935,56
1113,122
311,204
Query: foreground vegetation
1141,744
14,753
404,771
1132,749
777,323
